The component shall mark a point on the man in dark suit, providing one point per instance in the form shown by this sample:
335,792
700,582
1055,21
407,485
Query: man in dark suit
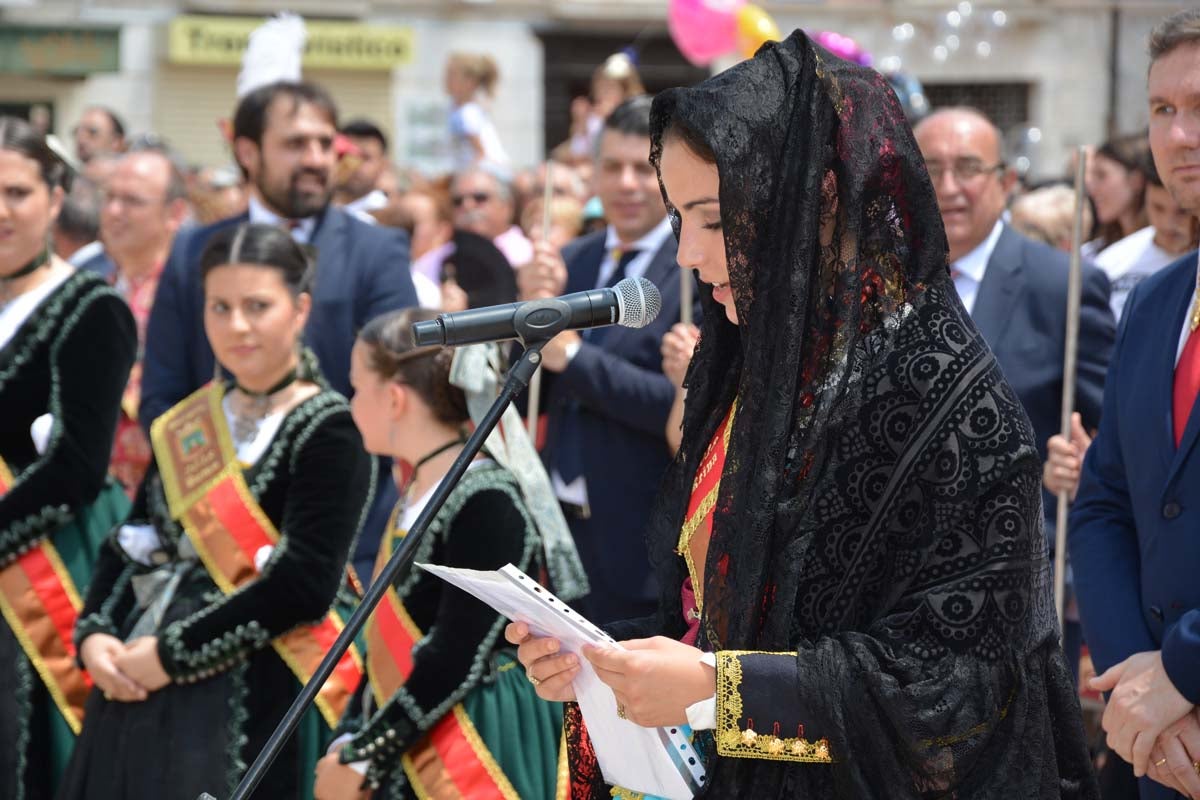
1135,525
283,141
1014,288
606,397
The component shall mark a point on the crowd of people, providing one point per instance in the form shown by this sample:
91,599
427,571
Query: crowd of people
815,498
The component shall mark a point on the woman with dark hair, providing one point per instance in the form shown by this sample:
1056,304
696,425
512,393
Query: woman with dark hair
200,619
443,705
1116,184
67,343
856,597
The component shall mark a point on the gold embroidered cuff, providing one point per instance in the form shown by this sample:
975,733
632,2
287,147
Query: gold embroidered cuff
736,735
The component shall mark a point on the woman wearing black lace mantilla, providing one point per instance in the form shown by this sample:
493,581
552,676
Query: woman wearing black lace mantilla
856,595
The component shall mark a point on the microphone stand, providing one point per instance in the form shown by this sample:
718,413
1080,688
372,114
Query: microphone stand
516,382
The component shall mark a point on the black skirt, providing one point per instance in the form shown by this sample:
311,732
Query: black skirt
188,738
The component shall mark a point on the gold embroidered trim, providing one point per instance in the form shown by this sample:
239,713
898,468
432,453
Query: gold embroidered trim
49,679
685,539
693,523
624,794
734,742
485,755
562,788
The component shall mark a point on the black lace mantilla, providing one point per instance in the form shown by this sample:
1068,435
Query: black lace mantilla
880,520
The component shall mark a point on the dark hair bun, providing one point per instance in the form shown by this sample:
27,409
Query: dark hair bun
394,356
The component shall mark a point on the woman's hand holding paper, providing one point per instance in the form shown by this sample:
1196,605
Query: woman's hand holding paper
550,673
654,680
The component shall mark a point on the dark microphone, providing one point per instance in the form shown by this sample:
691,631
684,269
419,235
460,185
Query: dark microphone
633,303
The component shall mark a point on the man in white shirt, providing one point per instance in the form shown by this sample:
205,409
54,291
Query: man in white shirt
1133,534
1014,288
357,190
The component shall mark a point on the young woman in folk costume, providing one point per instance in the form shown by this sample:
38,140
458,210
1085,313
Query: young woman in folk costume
856,597
446,711
200,618
67,342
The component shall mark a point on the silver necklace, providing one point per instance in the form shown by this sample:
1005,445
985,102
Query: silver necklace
249,414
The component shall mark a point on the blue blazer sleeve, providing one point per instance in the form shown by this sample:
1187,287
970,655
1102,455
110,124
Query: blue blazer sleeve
1102,538
386,280
1181,655
167,368
612,387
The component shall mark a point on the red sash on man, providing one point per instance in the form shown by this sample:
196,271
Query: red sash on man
208,495
40,602
451,762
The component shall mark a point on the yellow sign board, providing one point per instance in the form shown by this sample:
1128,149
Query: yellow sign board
333,45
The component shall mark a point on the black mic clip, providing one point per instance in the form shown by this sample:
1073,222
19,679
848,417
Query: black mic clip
541,320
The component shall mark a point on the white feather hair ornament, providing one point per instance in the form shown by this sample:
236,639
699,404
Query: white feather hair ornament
273,53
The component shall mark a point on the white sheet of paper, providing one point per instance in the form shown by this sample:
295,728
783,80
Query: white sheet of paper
653,761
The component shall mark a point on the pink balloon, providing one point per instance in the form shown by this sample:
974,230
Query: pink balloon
843,47
704,29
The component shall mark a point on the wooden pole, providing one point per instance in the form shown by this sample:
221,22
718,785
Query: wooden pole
535,385
1074,289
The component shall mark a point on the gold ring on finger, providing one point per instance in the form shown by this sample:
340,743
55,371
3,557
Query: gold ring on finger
533,680
1196,766
1161,761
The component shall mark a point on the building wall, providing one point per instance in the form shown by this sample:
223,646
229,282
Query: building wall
188,101
1062,51
1068,83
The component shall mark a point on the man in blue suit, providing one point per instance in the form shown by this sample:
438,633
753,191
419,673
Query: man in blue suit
1135,525
1014,288
606,397
283,141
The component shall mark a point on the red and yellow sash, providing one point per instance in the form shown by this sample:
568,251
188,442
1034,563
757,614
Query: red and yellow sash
451,762
208,495
697,523
39,601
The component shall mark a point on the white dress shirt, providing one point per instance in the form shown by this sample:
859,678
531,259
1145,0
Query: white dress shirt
969,270
261,215
646,246
1186,330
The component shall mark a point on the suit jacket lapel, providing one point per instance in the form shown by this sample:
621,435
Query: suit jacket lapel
327,234
661,269
584,269
1001,282
1165,386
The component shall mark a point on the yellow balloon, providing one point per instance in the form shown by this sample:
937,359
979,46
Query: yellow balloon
755,28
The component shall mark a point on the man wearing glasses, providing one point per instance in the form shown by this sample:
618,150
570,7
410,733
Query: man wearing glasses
98,131
1014,288
484,205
